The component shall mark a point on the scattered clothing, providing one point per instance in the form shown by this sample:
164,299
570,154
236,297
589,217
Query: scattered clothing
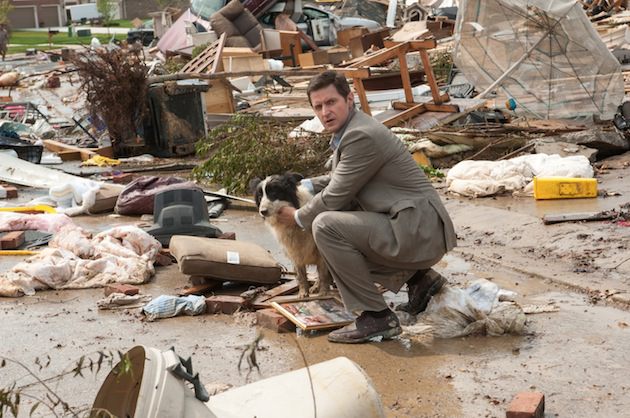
167,306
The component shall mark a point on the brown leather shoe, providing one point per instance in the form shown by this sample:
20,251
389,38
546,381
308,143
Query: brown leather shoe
421,287
366,327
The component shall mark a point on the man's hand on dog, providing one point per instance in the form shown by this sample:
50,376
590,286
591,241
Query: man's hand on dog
286,216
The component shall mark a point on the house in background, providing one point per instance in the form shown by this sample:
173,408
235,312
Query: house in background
52,13
37,13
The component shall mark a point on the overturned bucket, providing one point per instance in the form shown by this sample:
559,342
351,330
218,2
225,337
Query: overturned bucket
150,383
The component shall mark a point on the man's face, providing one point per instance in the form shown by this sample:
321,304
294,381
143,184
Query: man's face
331,108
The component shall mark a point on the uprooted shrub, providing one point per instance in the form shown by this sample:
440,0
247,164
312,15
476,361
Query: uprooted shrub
249,146
115,84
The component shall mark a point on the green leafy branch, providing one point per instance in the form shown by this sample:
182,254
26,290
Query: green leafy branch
249,146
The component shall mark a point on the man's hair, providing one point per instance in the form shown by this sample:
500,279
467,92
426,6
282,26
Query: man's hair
325,79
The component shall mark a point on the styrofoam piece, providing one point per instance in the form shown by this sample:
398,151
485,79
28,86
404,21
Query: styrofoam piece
394,94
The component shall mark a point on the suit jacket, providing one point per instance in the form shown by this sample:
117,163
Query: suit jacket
372,170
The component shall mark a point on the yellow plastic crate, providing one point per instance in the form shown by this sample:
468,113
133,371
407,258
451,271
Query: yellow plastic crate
564,188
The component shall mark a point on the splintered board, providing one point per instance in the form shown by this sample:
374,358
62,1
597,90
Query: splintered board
209,61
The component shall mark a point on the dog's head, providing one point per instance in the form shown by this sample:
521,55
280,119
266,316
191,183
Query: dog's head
275,192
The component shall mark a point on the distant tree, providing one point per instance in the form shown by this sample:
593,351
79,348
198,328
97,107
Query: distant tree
5,9
106,9
163,4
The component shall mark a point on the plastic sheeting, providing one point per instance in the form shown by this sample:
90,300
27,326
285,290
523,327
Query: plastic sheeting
482,308
560,68
486,178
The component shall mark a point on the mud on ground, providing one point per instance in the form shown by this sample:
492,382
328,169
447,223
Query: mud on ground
576,356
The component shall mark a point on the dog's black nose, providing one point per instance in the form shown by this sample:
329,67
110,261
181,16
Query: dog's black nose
264,212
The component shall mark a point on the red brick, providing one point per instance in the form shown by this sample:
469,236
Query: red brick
271,319
12,240
127,289
527,405
122,178
227,235
163,259
10,192
224,304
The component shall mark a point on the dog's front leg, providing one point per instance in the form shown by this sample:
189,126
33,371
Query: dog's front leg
324,280
302,282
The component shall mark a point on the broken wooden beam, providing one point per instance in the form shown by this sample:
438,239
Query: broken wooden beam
405,115
348,72
12,240
262,300
70,152
576,217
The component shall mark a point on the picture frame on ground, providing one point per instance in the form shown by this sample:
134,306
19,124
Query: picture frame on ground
315,314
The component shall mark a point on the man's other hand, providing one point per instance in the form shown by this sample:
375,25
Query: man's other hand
286,216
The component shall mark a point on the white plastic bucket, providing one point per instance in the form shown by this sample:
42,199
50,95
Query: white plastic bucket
340,389
143,386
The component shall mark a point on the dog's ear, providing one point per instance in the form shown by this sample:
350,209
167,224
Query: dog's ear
253,184
293,177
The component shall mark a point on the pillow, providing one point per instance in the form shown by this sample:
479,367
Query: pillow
224,259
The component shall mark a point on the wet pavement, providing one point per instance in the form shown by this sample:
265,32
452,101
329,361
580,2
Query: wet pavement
576,356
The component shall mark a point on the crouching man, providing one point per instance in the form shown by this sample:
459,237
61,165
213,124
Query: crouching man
376,218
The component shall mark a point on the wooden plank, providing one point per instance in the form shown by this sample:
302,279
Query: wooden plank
358,87
219,98
428,71
381,56
573,217
348,72
404,76
405,115
448,108
72,151
262,300
209,61
423,44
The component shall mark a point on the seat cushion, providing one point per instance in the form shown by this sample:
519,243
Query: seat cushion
232,10
224,259
220,24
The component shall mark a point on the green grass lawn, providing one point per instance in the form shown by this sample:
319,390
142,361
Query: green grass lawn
23,40
122,23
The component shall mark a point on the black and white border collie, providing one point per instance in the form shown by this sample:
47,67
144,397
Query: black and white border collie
275,192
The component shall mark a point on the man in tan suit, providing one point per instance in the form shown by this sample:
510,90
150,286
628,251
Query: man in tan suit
375,219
